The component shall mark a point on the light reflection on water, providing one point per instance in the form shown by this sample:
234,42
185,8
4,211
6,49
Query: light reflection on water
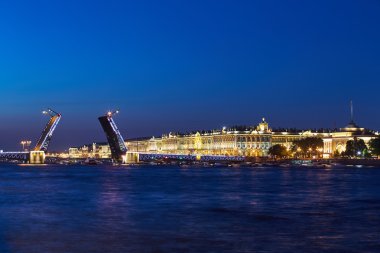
152,209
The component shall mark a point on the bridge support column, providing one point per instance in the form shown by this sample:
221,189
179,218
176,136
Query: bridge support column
131,157
37,157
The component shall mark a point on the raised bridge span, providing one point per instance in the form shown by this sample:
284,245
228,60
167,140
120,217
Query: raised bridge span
37,155
120,153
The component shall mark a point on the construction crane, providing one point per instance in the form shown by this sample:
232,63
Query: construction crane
47,133
114,138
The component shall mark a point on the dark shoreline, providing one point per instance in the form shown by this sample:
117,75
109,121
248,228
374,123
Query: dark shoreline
364,162
263,162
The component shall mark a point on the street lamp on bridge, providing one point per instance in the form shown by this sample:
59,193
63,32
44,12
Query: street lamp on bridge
25,143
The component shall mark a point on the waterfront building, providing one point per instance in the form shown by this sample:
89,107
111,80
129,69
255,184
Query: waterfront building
95,150
75,152
243,141
250,141
287,137
336,142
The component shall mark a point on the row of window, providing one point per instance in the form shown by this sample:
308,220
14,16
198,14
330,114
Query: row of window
253,139
254,146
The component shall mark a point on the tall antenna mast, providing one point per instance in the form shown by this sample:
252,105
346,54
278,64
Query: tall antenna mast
352,111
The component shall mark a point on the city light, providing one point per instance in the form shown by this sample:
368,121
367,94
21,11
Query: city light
111,113
25,143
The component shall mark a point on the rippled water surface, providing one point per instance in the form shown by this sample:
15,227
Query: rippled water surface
168,209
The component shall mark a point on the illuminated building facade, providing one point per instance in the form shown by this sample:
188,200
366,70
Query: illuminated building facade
336,142
243,141
287,138
234,141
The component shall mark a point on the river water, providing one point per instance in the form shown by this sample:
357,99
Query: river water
171,209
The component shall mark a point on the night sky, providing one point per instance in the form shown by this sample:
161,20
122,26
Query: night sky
185,65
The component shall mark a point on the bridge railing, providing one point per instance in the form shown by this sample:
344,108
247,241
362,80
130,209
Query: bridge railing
15,155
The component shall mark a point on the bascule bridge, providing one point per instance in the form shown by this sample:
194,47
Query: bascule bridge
114,138
37,155
120,153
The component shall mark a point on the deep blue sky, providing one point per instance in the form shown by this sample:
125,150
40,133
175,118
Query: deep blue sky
182,65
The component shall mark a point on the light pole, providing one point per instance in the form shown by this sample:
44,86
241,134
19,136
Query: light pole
25,143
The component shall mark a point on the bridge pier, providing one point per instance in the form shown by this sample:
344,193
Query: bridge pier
37,157
131,157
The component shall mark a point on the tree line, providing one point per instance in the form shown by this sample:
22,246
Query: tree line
313,147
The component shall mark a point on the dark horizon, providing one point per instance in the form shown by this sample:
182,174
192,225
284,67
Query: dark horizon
173,66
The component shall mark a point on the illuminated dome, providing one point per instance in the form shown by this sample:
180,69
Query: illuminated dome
352,124
352,127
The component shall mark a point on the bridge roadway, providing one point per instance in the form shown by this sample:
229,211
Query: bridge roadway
21,156
33,157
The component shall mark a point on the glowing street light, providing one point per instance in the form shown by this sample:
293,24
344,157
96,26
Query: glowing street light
110,113
25,143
